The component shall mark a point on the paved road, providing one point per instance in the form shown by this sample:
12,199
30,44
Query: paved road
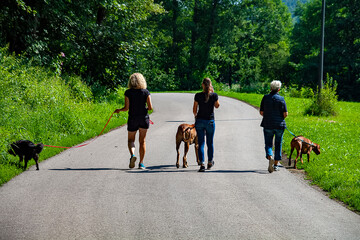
89,192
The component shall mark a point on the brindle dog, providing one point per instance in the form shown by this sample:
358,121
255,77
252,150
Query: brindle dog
303,146
186,133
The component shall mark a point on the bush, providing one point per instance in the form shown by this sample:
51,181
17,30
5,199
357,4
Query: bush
159,80
324,103
303,92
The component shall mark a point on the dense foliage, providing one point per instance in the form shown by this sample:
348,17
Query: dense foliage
174,43
342,45
291,4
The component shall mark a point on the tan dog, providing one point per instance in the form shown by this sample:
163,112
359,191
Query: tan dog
302,146
186,133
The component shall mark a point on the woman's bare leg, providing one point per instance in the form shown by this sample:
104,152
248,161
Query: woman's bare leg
131,142
142,142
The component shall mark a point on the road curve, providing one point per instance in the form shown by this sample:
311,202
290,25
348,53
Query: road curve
89,192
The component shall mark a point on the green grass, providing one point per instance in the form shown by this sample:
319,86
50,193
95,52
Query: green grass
337,168
39,106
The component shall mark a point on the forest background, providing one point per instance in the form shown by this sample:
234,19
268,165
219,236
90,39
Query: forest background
241,44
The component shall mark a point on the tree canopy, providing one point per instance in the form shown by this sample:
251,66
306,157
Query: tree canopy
175,43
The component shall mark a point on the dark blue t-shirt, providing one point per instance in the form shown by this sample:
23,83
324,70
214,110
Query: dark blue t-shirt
137,102
273,105
206,109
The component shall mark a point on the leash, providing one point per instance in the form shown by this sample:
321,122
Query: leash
299,138
82,145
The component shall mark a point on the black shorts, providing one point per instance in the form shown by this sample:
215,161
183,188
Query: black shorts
134,123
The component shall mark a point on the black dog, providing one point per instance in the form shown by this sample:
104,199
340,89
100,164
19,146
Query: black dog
27,149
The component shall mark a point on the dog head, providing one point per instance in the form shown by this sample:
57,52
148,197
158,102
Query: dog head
11,149
316,148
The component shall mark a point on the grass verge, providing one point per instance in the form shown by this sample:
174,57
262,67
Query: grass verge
39,106
337,168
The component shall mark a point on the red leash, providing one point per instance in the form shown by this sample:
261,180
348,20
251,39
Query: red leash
82,145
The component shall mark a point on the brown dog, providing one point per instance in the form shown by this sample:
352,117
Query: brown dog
186,133
302,146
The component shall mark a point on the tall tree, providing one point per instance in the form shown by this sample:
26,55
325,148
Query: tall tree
100,38
342,45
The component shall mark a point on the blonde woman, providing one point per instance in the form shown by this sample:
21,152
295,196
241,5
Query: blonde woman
203,109
137,102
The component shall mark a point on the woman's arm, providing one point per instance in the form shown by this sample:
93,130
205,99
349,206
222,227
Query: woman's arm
125,108
217,104
148,103
195,108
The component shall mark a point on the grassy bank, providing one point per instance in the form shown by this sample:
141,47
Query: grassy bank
337,168
39,106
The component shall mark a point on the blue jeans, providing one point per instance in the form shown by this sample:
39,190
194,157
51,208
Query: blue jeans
205,128
269,136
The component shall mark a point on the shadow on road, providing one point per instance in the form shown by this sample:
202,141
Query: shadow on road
87,169
172,168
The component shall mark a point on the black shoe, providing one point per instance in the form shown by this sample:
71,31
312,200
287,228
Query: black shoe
202,168
210,165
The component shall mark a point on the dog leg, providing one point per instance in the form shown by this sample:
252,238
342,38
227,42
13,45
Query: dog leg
26,161
197,153
308,155
301,159
291,152
297,156
178,153
185,165
36,158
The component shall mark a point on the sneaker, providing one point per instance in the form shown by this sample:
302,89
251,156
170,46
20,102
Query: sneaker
132,162
141,166
202,168
210,165
271,164
276,168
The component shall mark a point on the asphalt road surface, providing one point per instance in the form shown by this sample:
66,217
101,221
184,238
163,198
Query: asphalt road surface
89,192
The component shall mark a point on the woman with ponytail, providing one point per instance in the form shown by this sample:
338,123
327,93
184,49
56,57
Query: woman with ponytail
203,110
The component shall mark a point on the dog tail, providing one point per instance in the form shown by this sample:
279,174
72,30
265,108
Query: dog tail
39,147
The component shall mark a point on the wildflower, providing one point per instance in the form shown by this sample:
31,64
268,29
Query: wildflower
62,54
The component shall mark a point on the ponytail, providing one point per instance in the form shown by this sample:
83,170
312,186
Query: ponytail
208,88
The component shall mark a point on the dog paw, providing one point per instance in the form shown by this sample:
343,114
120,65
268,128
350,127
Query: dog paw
177,165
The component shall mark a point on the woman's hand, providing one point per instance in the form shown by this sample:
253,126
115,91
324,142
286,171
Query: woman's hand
125,108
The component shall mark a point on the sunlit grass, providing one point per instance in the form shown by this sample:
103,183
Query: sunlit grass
337,168
38,106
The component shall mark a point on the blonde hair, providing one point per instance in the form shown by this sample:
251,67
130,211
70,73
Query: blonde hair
137,81
275,85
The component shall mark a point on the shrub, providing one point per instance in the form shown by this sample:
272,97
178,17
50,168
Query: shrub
324,103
